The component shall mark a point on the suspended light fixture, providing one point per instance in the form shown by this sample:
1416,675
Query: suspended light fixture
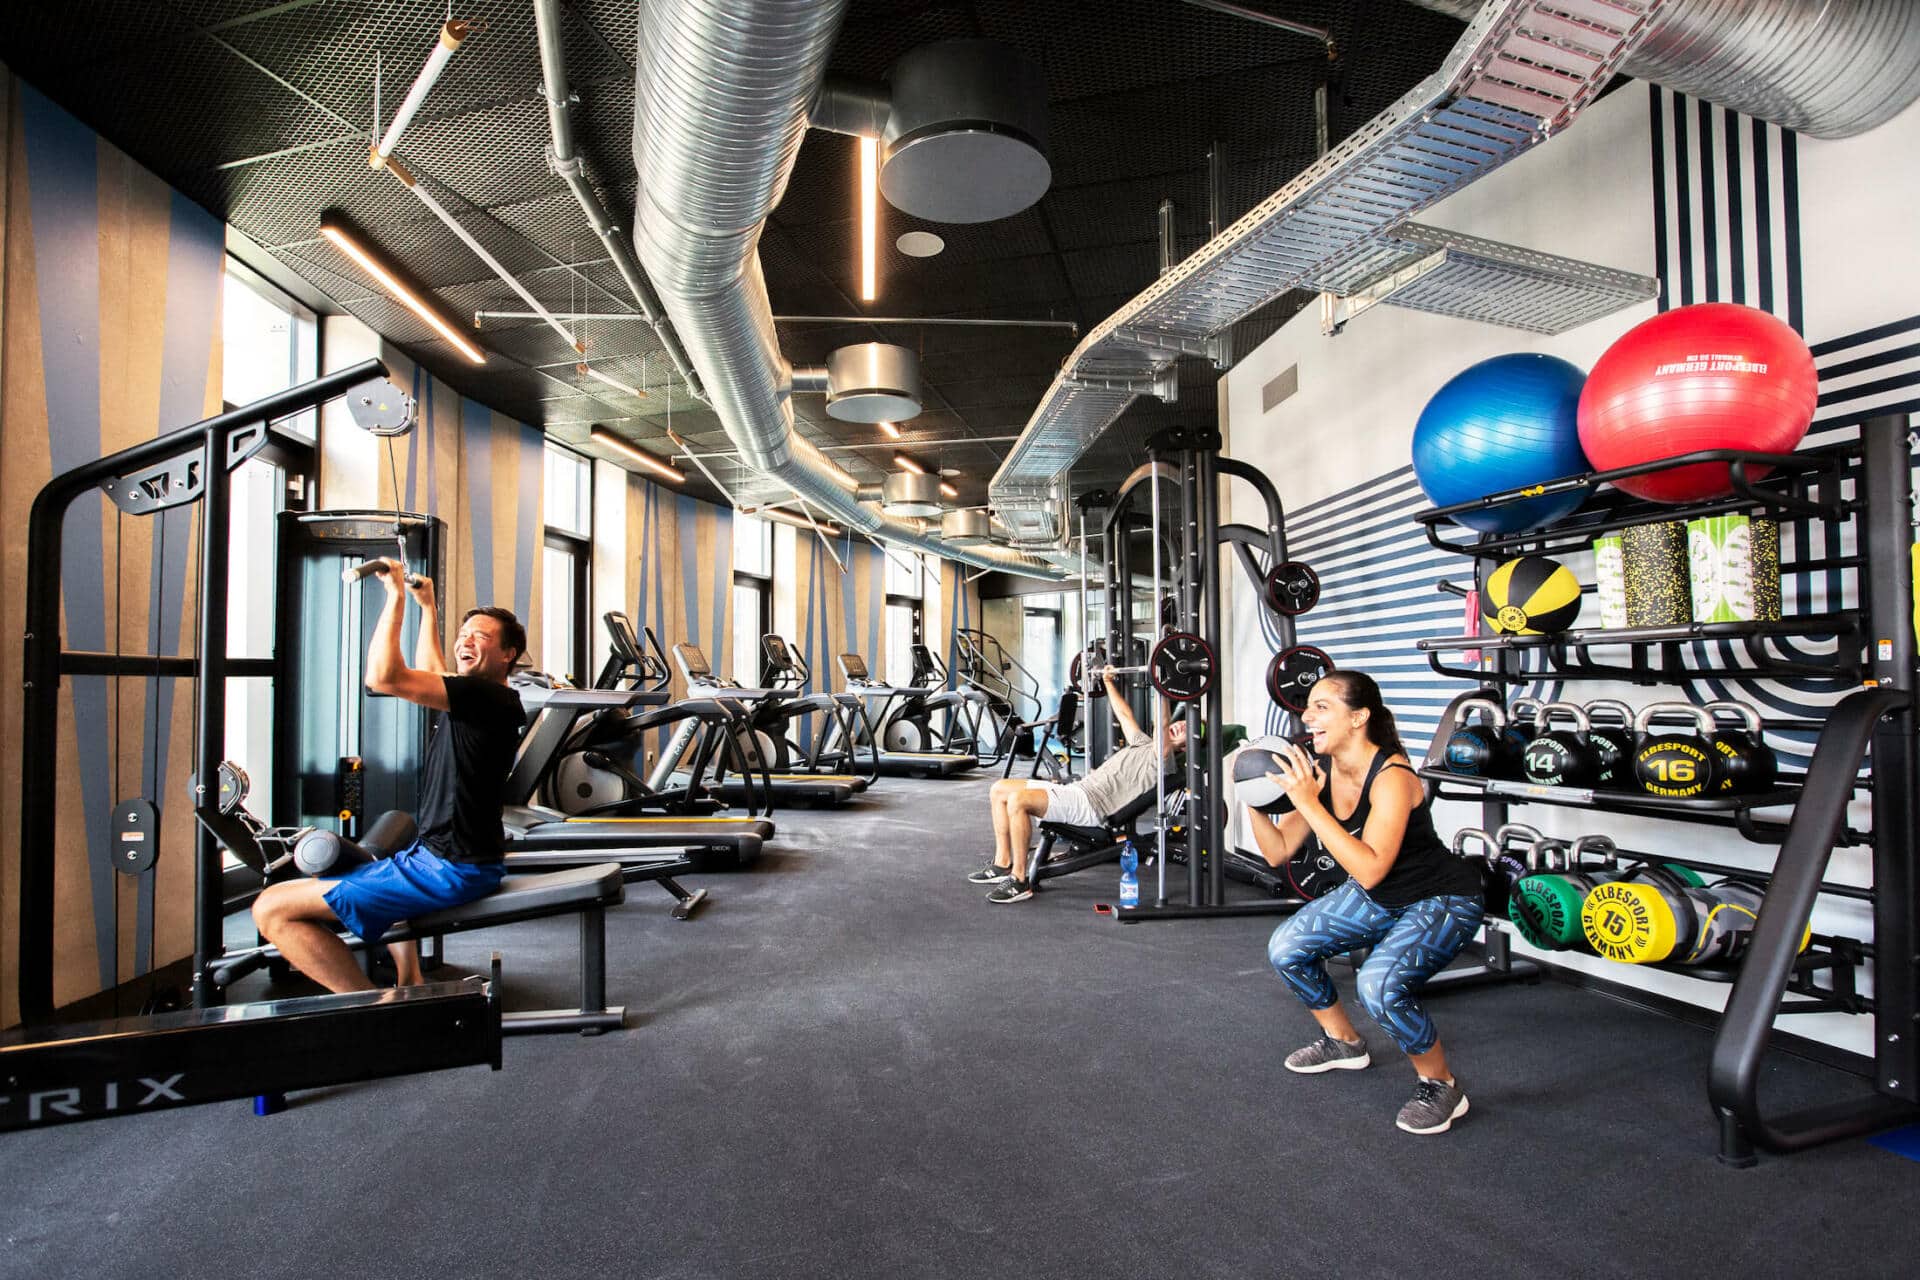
907,493
608,440
344,238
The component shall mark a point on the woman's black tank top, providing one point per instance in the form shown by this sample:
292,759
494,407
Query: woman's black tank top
1426,867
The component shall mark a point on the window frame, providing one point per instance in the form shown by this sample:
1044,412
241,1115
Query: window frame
580,552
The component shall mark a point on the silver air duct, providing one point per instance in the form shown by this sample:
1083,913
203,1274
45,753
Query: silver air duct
721,104
1828,68
906,494
969,528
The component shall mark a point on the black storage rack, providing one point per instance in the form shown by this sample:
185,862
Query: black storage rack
1874,648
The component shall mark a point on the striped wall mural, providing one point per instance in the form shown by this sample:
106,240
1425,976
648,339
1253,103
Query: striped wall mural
961,600
110,317
680,572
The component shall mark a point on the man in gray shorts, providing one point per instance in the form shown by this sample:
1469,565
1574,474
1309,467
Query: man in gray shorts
1019,802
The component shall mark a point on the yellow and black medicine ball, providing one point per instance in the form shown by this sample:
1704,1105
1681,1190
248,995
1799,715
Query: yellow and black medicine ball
1530,596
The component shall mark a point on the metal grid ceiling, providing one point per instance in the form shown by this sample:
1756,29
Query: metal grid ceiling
259,110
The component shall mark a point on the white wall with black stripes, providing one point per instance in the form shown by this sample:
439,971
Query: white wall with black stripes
1719,207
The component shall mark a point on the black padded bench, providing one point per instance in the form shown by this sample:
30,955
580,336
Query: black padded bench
584,891
1088,846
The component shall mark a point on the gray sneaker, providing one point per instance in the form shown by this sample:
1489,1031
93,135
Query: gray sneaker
1012,891
1329,1053
992,873
1434,1107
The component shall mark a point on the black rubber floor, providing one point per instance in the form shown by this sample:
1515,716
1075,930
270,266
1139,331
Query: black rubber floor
851,1065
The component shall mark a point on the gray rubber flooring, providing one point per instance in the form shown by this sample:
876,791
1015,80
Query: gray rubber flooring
851,1065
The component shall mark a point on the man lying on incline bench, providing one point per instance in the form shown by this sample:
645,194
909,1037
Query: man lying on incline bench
1018,803
457,856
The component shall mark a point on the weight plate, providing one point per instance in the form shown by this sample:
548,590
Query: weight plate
1182,666
1314,875
1292,587
1293,673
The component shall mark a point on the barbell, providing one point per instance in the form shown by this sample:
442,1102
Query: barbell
1180,667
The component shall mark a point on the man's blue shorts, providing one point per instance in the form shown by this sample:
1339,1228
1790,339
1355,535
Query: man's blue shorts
372,897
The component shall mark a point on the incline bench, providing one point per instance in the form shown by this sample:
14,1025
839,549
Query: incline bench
1088,846
584,891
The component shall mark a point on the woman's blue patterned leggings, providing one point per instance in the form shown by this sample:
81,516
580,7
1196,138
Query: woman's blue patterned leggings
1410,944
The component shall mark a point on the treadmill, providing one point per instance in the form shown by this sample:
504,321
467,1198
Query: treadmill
909,764
766,713
647,846
967,708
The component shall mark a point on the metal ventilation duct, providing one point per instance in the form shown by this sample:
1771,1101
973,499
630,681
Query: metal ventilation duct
906,494
1828,68
966,140
873,382
969,528
1520,72
721,99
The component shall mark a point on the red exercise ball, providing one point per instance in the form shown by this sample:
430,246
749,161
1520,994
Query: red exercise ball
1711,376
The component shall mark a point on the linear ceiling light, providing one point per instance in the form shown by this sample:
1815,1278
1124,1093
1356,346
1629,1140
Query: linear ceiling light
869,214
345,241
608,440
949,490
892,432
905,463
609,379
798,522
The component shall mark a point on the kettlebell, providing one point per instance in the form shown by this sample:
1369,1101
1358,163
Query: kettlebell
1481,750
1547,904
1488,848
1561,757
1676,766
1612,744
1507,858
1747,763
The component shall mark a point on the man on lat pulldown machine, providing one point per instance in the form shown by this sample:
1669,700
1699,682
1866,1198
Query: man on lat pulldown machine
1018,803
457,855
1406,895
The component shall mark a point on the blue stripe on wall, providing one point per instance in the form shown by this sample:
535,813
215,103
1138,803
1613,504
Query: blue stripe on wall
196,252
723,589
877,595
62,164
476,423
688,510
527,539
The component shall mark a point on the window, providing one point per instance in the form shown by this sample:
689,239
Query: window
752,594
1040,650
269,343
906,580
569,492
567,552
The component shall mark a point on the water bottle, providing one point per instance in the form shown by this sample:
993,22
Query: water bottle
1129,876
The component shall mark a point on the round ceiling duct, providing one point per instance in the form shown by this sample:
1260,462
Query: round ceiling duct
873,382
906,494
967,528
967,137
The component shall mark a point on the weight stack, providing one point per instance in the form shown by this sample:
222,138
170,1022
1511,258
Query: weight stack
1659,580
1734,564
1610,577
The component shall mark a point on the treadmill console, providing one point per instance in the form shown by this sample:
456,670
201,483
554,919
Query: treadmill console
854,668
693,663
779,657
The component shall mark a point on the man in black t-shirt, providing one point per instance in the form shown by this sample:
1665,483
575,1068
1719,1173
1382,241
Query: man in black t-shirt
457,855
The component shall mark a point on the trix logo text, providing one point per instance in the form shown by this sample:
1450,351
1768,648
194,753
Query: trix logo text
75,1103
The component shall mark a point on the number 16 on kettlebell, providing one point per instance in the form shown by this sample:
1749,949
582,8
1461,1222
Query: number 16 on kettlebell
1674,765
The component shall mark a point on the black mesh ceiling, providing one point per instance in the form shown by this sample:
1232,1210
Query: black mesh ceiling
260,109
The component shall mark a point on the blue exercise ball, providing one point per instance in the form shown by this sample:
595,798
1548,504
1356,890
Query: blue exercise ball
1504,423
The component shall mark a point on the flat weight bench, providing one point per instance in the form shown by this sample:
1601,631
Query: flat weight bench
584,891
